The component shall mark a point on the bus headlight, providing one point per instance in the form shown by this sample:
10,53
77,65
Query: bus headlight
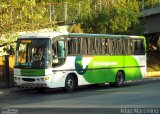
46,78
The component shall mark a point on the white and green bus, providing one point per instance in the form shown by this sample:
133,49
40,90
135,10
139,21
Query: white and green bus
68,60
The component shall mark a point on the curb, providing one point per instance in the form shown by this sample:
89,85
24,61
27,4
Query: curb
153,74
6,91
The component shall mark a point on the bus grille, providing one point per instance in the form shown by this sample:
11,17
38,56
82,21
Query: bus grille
28,79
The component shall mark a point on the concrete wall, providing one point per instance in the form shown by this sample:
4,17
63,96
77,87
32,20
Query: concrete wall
152,20
152,24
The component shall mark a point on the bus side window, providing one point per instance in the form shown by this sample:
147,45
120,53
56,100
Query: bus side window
141,47
54,49
58,49
61,49
54,52
138,47
135,48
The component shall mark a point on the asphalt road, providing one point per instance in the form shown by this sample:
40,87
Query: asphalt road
135,97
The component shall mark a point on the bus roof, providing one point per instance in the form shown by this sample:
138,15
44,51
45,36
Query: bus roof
43,35
103,35
56,33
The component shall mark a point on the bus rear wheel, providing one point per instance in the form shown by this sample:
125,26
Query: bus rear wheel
70,83
119,81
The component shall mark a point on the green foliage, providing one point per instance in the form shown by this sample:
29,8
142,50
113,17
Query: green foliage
95,23
22,15
75,28
114,17
151,3
90,16
9,40
124,18
156,67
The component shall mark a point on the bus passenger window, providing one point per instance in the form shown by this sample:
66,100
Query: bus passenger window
54,51
58,50
138,47
61,51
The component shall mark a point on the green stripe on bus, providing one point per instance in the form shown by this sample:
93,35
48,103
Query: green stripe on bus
32,72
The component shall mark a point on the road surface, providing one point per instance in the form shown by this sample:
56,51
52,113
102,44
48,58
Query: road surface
141,96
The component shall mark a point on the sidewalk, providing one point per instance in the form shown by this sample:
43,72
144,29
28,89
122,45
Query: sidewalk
7,90
153,74
4,89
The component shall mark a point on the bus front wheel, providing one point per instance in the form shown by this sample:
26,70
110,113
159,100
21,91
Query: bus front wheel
119,81
70,83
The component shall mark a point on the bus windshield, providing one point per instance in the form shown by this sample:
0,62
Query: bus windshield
33,53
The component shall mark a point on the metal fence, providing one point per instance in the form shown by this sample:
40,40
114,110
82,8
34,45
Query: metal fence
37,17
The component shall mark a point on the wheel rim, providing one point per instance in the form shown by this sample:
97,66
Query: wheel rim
120,79
70,83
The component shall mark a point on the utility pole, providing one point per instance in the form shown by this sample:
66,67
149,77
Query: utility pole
65,13
32,18
100,3
21,19
89,4
79,10
142,5
51,13
11,19
152,4
50,16
6,71
1,15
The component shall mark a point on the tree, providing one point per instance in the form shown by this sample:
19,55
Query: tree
95,23
93,16
124,18
20,15
121,17
75,28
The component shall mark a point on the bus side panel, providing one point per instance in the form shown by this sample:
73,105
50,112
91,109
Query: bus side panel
104,69
131,68
98,70
98,66
58,79
117,64
73,65
100,77
141,59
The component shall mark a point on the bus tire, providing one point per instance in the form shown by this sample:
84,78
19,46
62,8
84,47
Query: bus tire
119,81
70,83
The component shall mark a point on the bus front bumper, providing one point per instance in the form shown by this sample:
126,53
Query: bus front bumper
32,82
